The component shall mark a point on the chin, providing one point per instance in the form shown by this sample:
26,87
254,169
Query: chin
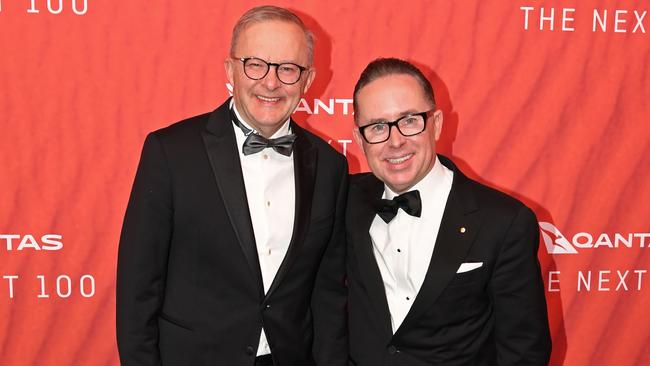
272,118
399,185
262,120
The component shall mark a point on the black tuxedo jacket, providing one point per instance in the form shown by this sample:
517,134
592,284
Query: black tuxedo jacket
493,315
189,285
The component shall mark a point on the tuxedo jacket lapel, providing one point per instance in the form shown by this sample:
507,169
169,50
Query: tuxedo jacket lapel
458,228
304,165
362,213
221,146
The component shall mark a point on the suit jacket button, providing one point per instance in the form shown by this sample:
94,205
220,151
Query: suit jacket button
250,350
392,350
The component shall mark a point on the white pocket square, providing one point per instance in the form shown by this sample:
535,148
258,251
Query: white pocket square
469,266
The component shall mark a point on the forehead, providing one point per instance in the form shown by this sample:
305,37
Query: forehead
389,97
273,40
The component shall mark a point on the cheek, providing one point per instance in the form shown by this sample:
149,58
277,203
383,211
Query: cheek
373,155
427,154
240,86
294,91
426,145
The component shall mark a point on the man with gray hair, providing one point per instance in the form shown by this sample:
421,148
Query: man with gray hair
232,250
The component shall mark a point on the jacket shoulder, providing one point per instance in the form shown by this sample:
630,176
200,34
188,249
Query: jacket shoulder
325,150
498,202
361,178
190,125
193,126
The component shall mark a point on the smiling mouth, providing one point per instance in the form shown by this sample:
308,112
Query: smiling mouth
266,99
400,159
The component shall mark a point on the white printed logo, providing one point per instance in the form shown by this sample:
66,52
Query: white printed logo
20,242
555,242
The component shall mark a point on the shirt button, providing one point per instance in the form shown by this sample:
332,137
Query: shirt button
250,350
399,250
408,298
268,203
392,350
265,156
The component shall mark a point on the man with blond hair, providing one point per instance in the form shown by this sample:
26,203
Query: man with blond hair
232,250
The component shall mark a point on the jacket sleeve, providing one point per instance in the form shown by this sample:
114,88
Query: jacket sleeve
521,323
142,258
329,297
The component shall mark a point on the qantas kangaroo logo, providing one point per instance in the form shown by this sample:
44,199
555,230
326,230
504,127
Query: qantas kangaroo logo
555,242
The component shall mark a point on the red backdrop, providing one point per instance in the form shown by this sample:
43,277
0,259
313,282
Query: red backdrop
549,105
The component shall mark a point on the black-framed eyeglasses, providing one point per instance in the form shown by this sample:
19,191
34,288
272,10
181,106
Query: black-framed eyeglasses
409,125
256,69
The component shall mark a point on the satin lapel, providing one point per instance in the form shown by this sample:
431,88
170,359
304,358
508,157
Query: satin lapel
362,212
222,150
305,158
452,245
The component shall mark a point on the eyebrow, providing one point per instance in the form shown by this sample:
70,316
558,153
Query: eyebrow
401,115
274,62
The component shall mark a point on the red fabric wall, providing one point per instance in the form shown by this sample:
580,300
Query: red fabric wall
558,117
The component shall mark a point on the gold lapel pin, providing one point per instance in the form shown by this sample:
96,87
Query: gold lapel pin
462,230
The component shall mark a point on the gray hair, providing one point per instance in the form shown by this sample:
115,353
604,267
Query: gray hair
268,12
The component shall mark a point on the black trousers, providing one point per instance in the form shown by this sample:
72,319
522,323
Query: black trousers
265,360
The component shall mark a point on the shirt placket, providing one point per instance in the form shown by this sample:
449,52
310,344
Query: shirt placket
399,236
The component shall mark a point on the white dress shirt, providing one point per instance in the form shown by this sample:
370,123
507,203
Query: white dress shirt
403,247
270,191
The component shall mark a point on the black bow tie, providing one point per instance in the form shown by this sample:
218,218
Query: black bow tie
410,202
255,143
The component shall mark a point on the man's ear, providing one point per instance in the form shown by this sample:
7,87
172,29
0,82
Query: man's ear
356,134
437,123
311,74
230,70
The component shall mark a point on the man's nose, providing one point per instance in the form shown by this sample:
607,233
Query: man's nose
271,80
395,138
